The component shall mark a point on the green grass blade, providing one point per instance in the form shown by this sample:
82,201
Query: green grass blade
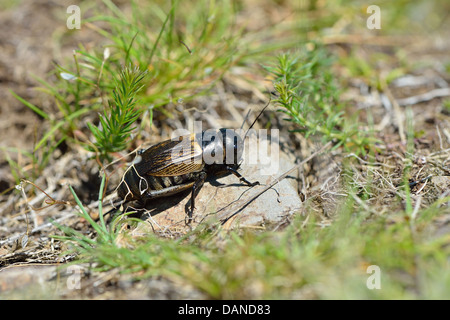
31,106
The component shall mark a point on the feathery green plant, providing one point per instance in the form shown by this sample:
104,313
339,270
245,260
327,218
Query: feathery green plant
307,91
117,120
308,94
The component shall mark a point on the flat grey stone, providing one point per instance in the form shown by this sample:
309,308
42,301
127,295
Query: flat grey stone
227,197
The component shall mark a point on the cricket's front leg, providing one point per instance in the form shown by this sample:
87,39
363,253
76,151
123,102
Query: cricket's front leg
241,178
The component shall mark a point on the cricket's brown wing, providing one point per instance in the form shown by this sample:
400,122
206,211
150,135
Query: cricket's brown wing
172,157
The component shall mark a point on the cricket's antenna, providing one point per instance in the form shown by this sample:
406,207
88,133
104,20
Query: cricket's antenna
270,99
